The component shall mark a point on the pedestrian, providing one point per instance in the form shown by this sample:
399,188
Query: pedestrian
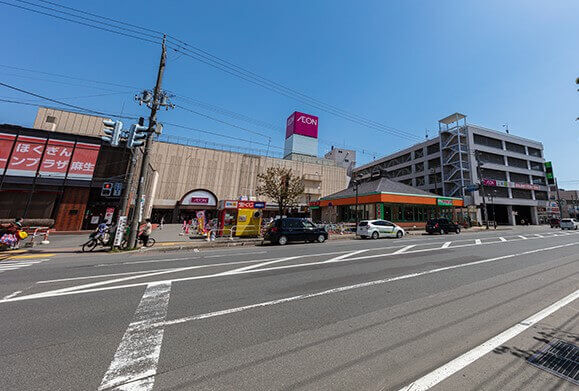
147,230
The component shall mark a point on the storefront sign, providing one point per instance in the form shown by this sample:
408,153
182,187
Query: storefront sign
48,157
516,185
443,202
302,124
250,205
121,226
199,197
109,215
230,205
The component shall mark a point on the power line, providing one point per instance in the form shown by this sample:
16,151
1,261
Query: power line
70,77
235,70
60,102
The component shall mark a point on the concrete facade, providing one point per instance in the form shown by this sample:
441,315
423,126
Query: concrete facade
448,163
182,168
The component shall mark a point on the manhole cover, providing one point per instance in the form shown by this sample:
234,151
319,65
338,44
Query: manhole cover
560,358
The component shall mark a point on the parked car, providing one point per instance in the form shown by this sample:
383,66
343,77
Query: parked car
291,229
555,223
569,224
441,226
378,229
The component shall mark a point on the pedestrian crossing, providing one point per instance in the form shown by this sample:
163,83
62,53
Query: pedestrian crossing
9,265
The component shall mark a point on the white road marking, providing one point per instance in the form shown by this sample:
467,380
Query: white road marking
134,365
251,267
502,239
17,264
86,289
11,295
523,237
439,374
97,276
355,286
344,256
539,235
446,245
177,259
477,241
404,249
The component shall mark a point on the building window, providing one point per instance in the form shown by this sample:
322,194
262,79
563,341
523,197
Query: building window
497,192
432,148
433,163
493,158
493,174
537,166
515,147
488,141
541,195
408,213
514,162
519,178
50,119
522,194
535,152
539,180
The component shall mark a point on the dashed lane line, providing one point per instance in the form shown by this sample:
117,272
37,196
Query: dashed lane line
404,249
97,287
351,287
477,241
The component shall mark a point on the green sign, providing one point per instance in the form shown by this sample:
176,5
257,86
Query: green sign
548,164
443,202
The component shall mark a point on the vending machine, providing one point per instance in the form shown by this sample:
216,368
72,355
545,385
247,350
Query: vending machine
242,217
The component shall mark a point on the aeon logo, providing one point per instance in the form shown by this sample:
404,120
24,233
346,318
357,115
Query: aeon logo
290,121
307,120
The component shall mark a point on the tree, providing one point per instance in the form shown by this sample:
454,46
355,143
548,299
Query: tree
281,185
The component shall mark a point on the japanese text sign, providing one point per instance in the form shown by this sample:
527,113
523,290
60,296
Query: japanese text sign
30,156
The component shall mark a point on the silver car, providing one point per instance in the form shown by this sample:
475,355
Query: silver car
569,224
378,229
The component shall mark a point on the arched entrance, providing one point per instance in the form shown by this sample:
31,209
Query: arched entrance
194,201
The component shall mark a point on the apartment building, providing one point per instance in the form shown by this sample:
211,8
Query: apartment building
509,168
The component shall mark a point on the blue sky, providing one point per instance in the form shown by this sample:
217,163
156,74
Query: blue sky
404,64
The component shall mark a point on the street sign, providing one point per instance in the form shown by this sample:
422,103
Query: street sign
121,226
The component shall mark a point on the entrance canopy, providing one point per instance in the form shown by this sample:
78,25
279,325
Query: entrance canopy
200,198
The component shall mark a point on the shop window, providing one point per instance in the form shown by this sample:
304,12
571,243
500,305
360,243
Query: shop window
408,213
398,213
387,213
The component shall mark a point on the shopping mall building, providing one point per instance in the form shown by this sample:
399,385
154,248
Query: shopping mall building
183,179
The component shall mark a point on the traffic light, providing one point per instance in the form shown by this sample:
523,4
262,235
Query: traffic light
107,189
549,173
137,135
113,129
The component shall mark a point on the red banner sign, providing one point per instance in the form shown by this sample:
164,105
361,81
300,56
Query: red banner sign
50,158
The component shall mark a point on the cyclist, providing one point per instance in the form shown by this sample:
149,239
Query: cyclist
147,230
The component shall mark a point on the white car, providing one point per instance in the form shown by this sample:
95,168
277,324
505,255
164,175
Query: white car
378,229
569,224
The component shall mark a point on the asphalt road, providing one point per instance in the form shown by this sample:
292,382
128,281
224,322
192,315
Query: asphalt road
450,312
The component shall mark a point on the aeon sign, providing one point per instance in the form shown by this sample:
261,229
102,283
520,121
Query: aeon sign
302,123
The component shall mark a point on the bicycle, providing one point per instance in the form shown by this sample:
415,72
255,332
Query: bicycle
150,243
95,241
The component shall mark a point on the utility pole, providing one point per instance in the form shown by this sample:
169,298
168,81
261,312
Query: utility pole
158,99
482,187
356,184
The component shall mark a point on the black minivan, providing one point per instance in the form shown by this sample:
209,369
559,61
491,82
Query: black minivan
441,226
293,229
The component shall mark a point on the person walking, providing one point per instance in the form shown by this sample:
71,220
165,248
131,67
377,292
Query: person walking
147,230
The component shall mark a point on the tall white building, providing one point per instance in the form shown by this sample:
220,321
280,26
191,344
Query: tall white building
510,168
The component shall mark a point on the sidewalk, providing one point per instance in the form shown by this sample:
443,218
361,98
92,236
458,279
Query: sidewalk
170,239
